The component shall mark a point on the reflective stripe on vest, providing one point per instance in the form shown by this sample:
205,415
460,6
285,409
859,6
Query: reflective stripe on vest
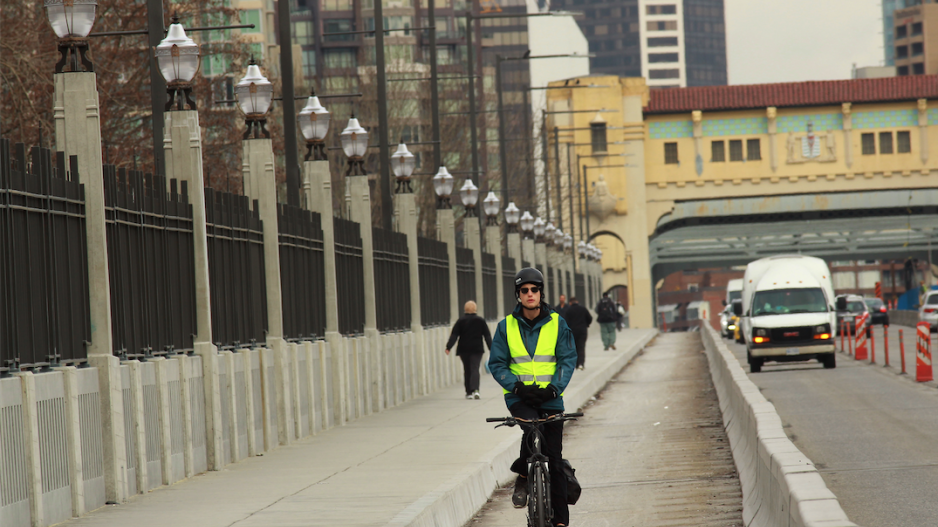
540,368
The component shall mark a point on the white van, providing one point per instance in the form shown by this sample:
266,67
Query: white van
787,311
734,290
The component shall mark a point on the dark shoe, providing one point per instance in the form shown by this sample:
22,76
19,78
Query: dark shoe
519,498
613,346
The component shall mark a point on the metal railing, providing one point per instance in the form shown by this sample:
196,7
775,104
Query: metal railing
237,278
151,263
433,261
508,283
392,280
302,273
350,277
44,313
465,276
490,287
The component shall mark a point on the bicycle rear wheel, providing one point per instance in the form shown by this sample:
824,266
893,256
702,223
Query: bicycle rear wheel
537,496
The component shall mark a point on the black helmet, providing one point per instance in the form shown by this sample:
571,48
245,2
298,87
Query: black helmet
529,275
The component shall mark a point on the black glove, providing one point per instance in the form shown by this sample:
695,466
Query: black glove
527,393
546,394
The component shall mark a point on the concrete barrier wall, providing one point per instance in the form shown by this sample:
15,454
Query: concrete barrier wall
903,317
51,459
781,486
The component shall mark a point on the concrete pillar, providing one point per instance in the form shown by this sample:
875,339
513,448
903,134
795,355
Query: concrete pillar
446,229
182,144
260,183
357,189
494,245
473,239
527,252
540,260
514,248
78,133
405,217
636,231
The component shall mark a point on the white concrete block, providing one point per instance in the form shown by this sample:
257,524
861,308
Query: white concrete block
14,456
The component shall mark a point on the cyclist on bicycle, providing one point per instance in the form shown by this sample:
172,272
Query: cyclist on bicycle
533,357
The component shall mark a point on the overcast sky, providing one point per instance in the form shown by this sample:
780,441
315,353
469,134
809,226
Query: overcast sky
800,40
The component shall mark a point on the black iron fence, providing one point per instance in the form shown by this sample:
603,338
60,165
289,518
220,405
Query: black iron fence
465,276
349,276
151,263
580,287
302,273
433,261
508,283
236,270
392,280
43,276
490,287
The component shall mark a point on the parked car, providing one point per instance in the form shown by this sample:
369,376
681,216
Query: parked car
878,312
854,308
929,310
725,316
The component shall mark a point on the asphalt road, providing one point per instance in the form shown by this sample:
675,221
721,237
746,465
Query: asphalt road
872,432
651,451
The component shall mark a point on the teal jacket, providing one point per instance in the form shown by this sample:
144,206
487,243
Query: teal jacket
500,358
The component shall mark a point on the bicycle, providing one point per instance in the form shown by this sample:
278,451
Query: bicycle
539,507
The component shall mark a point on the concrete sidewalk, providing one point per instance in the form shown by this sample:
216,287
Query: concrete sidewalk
430,461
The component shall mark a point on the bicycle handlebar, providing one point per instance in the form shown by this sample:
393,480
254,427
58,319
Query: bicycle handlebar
553,418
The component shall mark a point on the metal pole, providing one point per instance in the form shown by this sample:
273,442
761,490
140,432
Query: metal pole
289,105
546,164
473,131
586,201
434,92
570,192
502,154
528,160
383,154
557,165
155,31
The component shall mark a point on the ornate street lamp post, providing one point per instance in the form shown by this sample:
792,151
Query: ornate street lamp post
512,217
403,163
491,205
354,143
72,21
254,94
527,224
469,194
178,57
314,123
443,186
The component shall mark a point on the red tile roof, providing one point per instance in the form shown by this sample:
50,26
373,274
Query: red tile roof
814,93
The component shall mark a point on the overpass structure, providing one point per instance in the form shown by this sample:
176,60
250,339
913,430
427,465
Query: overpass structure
689,177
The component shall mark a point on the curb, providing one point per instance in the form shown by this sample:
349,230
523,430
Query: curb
456,502
781,486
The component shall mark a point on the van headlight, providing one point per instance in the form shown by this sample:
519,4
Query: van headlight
761,333
760,336
823,328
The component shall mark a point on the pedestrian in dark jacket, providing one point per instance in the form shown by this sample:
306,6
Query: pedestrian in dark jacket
578,319
561,307
470,330
607,315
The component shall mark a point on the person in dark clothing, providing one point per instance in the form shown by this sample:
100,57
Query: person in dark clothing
561,307
607,316
470,330
579,319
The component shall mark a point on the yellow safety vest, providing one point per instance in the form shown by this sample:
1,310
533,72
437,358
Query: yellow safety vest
540,368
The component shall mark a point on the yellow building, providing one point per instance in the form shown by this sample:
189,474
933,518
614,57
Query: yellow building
641,152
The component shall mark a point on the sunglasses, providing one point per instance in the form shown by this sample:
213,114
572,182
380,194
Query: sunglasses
524,290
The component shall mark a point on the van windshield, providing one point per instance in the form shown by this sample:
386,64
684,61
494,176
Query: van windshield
782,301
735,295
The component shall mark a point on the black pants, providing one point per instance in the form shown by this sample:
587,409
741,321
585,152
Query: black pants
552,447
470,364
579,338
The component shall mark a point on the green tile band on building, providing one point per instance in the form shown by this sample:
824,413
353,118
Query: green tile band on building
885,119
745,126
821,122
670,129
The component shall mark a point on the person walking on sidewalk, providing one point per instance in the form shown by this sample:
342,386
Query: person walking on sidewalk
579,319
607,316
470,330
561,307
533,358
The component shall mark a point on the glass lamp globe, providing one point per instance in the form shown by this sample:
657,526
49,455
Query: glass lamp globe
581,249
567,242
178,56
490,204
71,18
443,183
403,162
469,194
558,238
314,120
354,139
254,92
512,214
539,227
549,233
527,222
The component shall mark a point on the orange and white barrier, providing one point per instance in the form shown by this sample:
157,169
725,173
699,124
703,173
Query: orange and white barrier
860,346
923,369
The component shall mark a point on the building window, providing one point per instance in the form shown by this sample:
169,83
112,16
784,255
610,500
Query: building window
902,31
918,48
661,10
670,154
736,150
868,143
251,16
885,142
902,71
339,58
717,152
916,28
598,137
664,74
753,150
664,25
903,143
902,52
337,25
662,57
337,5
309,63
661,42
918,68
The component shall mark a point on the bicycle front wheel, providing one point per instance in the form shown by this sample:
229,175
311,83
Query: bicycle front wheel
537,496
